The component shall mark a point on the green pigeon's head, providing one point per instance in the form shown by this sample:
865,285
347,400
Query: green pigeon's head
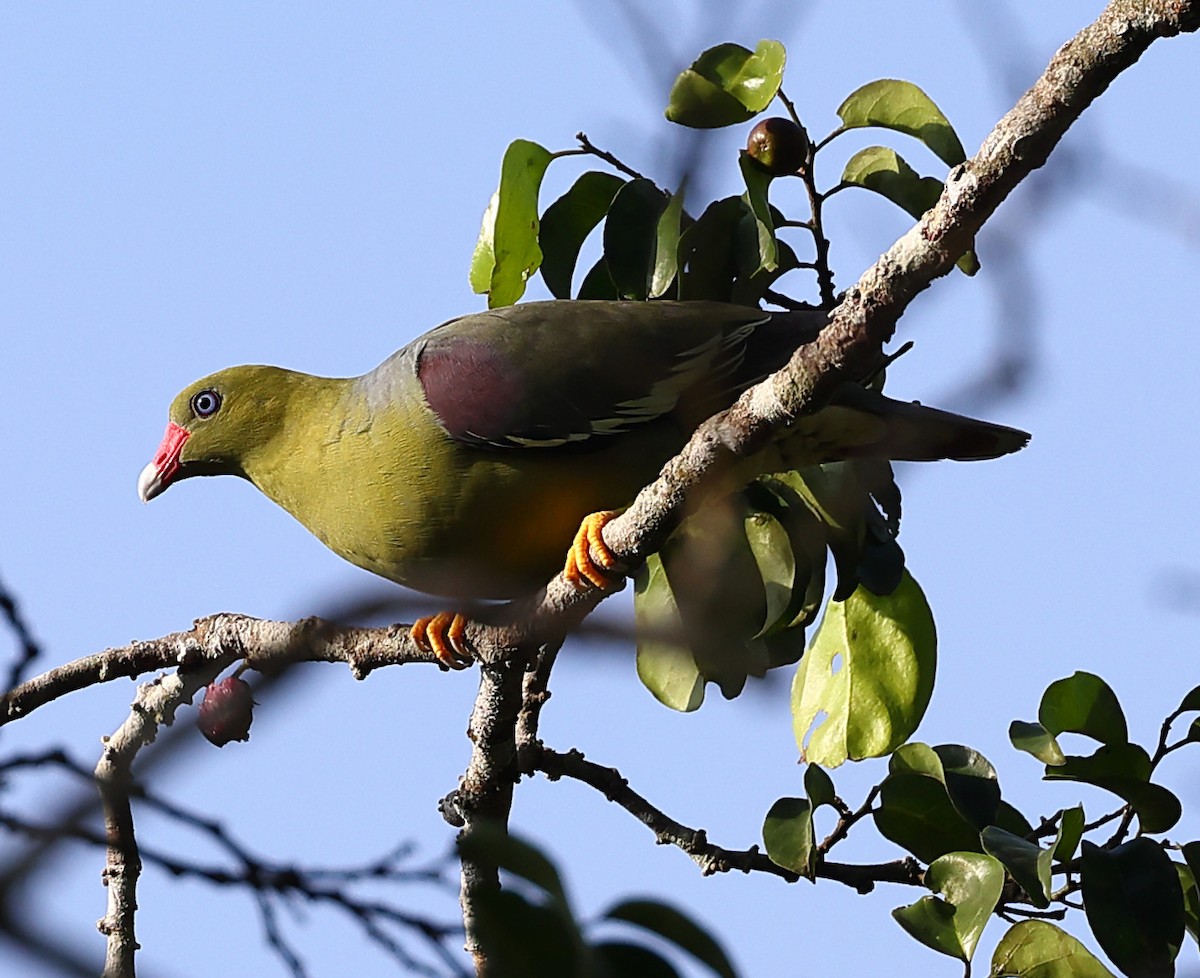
217,424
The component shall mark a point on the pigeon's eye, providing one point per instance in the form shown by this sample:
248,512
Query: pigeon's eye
206,404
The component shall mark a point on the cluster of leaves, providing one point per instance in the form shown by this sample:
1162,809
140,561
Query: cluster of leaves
943,805
733,592
530,928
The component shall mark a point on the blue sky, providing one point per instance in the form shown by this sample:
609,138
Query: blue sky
192,186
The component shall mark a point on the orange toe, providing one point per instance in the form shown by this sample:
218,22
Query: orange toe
443,634
589,561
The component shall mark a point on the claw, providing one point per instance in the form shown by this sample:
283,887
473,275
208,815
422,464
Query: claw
443,634
589,561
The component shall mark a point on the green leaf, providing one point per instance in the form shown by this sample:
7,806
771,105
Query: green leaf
1035,739
483,260
758,181
885,172
597,283
788,835
726,85
1036,949
1134,905
818,785
915,810
776,563
631,237
679,929
665,664
970,885
1084,703
970,782
873,703
1028,864
666,249
1123,769
566,224
1191,701
706,254
617,959
1191,900
900,105
507,252
1070,831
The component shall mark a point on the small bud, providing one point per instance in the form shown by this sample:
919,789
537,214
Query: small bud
227,711
779,145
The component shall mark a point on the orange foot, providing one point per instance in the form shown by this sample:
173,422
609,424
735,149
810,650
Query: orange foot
444,635
582,570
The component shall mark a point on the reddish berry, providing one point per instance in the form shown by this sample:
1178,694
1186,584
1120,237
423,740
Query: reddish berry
227,711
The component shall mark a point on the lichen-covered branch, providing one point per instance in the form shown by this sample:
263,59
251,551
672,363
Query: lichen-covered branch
264,645
155,705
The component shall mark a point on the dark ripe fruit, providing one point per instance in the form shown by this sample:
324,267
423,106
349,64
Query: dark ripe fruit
779,145
227,711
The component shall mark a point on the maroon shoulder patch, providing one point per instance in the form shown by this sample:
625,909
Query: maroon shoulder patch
471,387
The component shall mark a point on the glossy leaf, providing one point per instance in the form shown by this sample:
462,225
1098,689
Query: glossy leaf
1036,949
617,959
888,652
568,221
1124,769
665,665
969,885
1085,704
884,171
758,181
915,810
788,835
726,85
970,782
508,252
900,105
677,928
631,237
1134,905
1035,739
1028,864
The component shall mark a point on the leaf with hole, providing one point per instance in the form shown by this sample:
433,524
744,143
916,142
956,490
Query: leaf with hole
508,252
887,647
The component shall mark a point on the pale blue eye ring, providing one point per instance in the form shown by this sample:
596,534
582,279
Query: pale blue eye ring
206,403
